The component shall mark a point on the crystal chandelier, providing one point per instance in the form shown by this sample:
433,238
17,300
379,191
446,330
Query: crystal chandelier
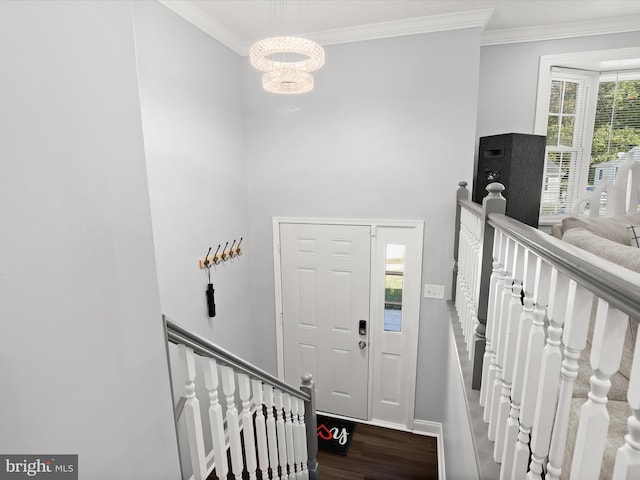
287,63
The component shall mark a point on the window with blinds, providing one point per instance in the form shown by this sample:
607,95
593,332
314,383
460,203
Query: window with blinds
592,119
568,148
617,121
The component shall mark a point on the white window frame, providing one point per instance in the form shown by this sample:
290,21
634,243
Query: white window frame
586,99
600,61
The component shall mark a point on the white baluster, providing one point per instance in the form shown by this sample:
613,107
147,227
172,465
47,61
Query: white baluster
297,454
514,313
461,264
302,442
216,421
493,285
233,423
468,316
192,414
502,319
466,296
531,368
627,466
547,389
460,275
495,302
261,428
518,356
271,431
606,352
280,430
574,337
244,388
475,287
288,430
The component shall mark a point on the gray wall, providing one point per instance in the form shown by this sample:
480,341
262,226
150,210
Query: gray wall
82,359
387,133
509,78
190,93
460,460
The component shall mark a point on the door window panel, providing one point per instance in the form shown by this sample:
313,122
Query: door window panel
393,287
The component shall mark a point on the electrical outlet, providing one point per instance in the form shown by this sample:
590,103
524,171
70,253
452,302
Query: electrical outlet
434,291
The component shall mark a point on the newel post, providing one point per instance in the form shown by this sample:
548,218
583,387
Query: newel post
311,424
461,194
494,202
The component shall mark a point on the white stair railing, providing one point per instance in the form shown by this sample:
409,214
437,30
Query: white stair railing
536,303
243,442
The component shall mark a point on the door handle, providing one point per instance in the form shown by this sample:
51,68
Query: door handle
362,344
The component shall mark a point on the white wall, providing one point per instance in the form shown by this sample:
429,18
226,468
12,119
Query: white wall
190,93
387,133
82,357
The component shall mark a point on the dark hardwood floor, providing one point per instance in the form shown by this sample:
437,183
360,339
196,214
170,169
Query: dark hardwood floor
382,454
378,453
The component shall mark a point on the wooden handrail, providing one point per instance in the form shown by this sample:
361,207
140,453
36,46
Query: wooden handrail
615,284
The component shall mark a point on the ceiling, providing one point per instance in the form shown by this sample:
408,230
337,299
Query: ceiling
239,23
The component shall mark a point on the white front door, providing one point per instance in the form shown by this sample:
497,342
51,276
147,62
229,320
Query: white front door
325,272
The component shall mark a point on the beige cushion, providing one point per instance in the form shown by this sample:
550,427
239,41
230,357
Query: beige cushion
624,255
612,228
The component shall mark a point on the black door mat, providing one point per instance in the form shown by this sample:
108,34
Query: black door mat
334,435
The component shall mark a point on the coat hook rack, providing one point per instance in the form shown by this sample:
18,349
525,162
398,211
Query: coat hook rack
222,256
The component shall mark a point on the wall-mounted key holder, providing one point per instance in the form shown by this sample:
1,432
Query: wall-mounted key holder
222,256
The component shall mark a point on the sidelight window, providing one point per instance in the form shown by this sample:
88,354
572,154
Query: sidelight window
393,287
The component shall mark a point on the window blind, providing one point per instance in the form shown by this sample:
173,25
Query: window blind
568,148
617,118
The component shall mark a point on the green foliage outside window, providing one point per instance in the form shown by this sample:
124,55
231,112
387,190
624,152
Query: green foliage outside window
393,288
623,101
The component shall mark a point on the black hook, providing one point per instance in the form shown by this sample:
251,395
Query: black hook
215,256
238,250
207,264
231,252
206,259
224,251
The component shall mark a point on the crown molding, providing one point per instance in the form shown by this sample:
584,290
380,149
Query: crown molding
398,28
560,31
190,11
193,14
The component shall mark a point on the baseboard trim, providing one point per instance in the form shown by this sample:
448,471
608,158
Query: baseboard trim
424,427
432,429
